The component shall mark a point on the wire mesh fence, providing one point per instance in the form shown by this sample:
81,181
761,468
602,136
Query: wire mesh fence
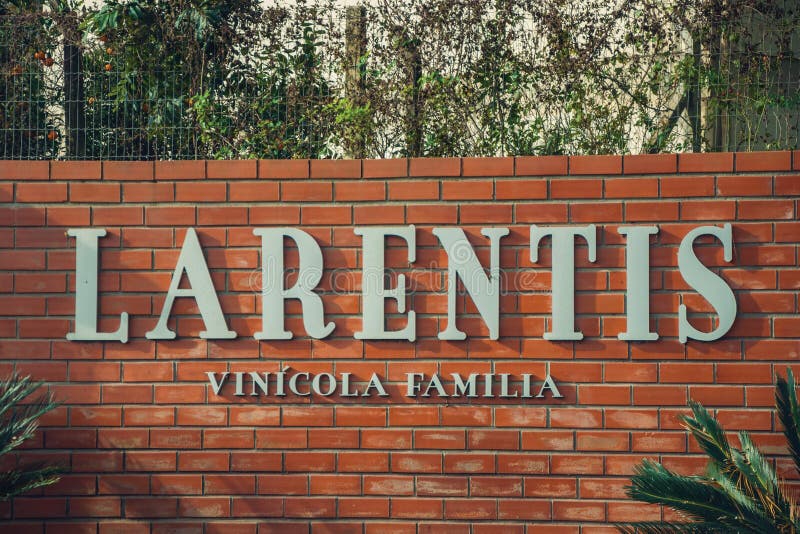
145,80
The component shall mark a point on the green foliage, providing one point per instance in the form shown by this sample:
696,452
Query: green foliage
19,415
24,90
740,491
232,78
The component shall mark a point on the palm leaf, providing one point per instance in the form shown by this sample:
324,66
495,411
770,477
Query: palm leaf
709,434
789,414
763,478
740,491
747,509
17,482
696,497
19,415
662,527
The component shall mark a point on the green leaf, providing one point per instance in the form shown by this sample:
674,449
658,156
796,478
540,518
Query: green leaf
789,414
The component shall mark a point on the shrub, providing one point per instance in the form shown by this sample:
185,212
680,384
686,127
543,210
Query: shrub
19,419
740,491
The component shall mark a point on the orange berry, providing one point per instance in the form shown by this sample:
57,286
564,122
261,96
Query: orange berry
108,67
109,50
104,38
49,62
51,135
92,100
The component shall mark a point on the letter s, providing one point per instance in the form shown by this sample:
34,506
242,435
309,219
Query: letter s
710,286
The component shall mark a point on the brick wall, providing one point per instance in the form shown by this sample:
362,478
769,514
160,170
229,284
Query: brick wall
151,448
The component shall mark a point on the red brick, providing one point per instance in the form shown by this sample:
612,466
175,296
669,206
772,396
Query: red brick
300,461
417,508
306,191
280,169
148,192
431,213
180,170
170,216
260,507
541,213
492,439
75,170
204,507
385,168
486,213
595,165
524,509
707,210
335,168
202,192
763,161
705,162
520,189
327,215
488,167
361,190
24,170
221,215
274,215
467,190
696,186
744,186
150,507
434,167
41,192
418,190
22,216
650,163
541,165
311,416
765,209
602,441
310,507
203,461
378,215
237,169
92,192
128,170
109,215
254,191
572,188
579,511
41,237
585,212
227,438
631,188
788,185
656,211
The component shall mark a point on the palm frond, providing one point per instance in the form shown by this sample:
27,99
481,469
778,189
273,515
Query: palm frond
745,510
19,419
17,482
695,497
762,476
662,527
740,492
708,433
789,414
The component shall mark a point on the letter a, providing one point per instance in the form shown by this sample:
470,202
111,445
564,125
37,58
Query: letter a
192,262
